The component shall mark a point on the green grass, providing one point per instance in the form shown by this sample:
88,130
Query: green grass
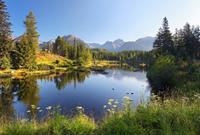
168,117
59,125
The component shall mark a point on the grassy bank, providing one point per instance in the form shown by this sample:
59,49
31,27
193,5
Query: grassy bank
50,63
170,117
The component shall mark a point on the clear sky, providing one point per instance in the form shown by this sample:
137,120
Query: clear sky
101,20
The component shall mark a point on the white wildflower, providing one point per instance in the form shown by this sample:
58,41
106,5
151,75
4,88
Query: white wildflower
49,107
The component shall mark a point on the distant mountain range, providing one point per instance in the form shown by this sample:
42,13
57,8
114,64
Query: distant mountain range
142,44
70,39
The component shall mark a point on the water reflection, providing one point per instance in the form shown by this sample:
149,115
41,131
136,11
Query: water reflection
88,89
70,77
27,91
6,98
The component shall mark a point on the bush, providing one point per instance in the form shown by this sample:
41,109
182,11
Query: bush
162,74
57,61
45,67
5,63
65,63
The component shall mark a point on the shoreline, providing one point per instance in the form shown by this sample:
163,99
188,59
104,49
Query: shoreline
22,73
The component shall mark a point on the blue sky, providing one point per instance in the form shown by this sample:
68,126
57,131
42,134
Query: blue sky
102,20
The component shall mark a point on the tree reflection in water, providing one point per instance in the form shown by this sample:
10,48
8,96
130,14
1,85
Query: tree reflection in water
27,91
70,77
6,98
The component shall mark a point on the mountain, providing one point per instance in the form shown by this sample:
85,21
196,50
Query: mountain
94,45
109,45
47,45
70,39
113,46
142,44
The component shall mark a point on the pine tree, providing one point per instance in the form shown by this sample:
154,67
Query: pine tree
60,47
5,36
31,40
187,42
26,58
56,45
197,45
179,44
31,31
164,42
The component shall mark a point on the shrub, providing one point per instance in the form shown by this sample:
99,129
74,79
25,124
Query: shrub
5,63
57,61
162,74
65,63
45,67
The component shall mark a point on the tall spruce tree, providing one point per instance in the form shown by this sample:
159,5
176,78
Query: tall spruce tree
197,45
56,45
187,42
179,44
31,30
32,38
5,36
191,40
164,42
60,47
23,57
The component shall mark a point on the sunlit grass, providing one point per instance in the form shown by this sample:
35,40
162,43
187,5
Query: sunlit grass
48,63
48,58
105,63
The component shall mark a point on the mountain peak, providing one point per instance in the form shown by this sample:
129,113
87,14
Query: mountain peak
118,40
71,39
141,44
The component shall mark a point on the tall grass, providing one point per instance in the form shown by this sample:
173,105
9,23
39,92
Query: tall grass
157,118
168,117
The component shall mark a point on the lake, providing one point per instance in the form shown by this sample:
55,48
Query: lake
90,90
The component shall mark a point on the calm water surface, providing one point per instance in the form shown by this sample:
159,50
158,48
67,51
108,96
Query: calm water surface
91,90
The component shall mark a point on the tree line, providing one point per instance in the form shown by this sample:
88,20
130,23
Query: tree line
132,58
176,59
22,53
76,51
184,44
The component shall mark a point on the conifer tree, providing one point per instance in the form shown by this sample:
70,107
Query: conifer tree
187,42
190,40
56,45
164,42
5,36
31,31
25,57
31,40
60,47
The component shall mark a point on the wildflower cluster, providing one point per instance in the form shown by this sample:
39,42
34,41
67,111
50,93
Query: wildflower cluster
80,110
127,101
33,109
111,106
